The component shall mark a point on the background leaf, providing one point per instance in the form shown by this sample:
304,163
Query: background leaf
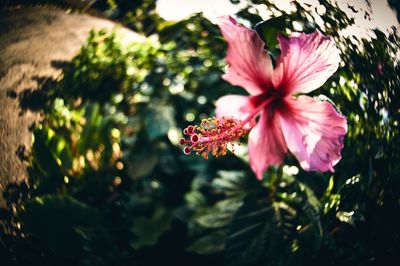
59,221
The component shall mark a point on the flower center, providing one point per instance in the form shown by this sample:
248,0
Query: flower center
271,95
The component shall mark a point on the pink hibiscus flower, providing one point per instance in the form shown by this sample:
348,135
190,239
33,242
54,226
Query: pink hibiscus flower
312,130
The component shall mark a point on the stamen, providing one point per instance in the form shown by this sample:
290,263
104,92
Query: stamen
213,135
186,150
194,138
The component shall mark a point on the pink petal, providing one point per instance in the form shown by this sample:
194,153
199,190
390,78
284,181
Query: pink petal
235,106
314,132
249,65
266,143
306,62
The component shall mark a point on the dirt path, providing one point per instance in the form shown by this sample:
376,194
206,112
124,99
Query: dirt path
30,39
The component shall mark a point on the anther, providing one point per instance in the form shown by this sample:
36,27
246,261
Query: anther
186,150
194,138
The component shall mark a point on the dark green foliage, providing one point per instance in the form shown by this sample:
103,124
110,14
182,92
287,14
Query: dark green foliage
109,179
259,232
61,222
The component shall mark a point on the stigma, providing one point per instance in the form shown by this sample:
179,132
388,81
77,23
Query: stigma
213,136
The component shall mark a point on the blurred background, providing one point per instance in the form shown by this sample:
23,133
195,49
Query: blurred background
94,97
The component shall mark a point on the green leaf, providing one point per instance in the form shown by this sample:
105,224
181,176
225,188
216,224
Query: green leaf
45,159
88,138
309,233
260,232
148,230
269,29
159,120
142,160
209,244
234,183
214,218
59,221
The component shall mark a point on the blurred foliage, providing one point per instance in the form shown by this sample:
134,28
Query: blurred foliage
109,183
